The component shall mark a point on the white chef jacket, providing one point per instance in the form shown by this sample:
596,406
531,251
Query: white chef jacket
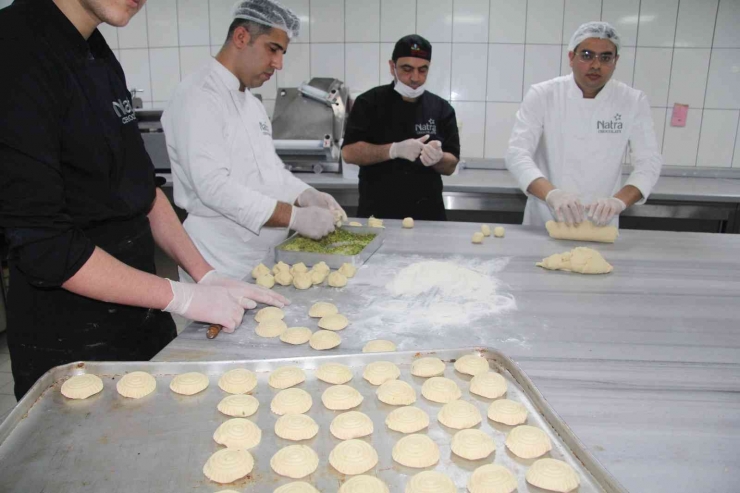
578,144
225,170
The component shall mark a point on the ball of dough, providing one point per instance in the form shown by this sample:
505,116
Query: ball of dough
296,487
472,444
284,278
334,373
440,389
396,393
322,309
334,322
322,340
477,237
379,346
269,313
352,424
295,427
581,260
408,419
364,484
489,384
472,364
347,270
260,271
238,381
136,385
291,401
270,328
317,277
353,457
416,451
189,383
459,415
373,222
498,231
337,279
321,267
553,475
82,386
408,222
302,280
427,367
295,461
238,433
341,398
286,376
507,412
240,405
492,478
379,372
430,482
528,442
296,335
299,268
266,281
485,229
228,465
280,267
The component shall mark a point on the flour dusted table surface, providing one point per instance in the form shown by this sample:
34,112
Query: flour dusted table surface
643,363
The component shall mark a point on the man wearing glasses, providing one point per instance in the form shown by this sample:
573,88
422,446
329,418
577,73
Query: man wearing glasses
571,133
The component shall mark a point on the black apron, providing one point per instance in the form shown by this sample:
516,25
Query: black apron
398,195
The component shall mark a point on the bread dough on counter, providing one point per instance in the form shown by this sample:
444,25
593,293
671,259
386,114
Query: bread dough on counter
485,229
581,260
260,271
296,335
499,231
324,339
585,231
266,281
347,270
337,279
477,237
408,222
269,313
379,346
322,309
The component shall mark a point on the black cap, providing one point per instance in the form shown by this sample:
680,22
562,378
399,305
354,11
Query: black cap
412,45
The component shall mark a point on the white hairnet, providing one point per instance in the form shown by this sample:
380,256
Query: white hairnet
269,13
601,30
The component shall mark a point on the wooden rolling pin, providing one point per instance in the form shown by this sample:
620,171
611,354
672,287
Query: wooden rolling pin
213,331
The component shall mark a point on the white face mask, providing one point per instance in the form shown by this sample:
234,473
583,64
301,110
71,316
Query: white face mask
408,91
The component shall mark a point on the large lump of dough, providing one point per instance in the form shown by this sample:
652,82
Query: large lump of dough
585,231
582,260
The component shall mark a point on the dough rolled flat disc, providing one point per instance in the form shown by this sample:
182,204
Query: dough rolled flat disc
295,401
492,478
228,465
337,280
341,398
459,415
82,386
379,346
528,442
322,340
408,419
322,309
440,389
295,461
240,405
396,393
472,364
490,384
416,451
136,385
364,484
334,373
286,376
379,372
507,412
238,381
430,482
585,231
553,475
296,427
472,444
427,367
271,328
238,433
352,424
334,322
189,383
296,487
269,313
296,335
353,457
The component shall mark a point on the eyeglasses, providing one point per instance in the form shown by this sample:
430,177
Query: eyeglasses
589,56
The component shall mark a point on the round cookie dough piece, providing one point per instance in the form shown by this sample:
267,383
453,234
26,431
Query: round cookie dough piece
228,465
321,267
553,475
374,222
352,424
341,397
322,309
499,232
291,401
334,322
507,412
269,313
317,277
324,339
459,415
337,279
440,389
286,376
240,405
355,223
296,427
416,451
353,457
82,386
136,385
334,373
189,383
408,419
396,393
364,484
296,487
295,461
379,372
477,237
296,335
379,346
284,278
430,482
486,230
472,444
302,280
492,478
528,442
266,281
299,268
280,267
270,328
427,367
347,270
238,381
489,384
408,222
472,364
238,433
260,271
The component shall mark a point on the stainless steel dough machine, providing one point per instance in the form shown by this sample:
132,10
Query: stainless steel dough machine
308,125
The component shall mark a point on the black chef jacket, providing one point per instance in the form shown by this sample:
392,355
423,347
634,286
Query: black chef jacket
74,175
399,188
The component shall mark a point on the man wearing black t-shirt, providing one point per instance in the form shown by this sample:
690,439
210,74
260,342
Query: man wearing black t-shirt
403,138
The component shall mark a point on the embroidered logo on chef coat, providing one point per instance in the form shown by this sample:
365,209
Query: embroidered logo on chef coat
614,126
265,129
124,110
429,127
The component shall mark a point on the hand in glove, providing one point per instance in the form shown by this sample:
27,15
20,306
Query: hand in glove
255,293
313,198
210,304
432,153
566,206
409,149
312,222
603,210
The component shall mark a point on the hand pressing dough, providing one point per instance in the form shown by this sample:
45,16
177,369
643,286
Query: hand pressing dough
286,376
302,280
585,231
507,412
408,419
492,478
296,335
396,393
490,384
355,223
295,461
353,457
82,386
266,281
228,465
291,401
296,487
486,230
373,222
295,427
364,484
472,444
581,260
408,222
528,442
189,383
347,270
284,278
299,268
260,271
334,373
238,433
499,231
352,424
269,313
337,279
477,237
416,451
322,340
379,346
322,309
553,475
430,482
270,328
472,364
239,405
379,372
334,322
280,267
317,277
459,415
136,385
440,389
341,398
238,381
427,367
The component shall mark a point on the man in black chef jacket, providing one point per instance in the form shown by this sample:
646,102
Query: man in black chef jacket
78,205
403,138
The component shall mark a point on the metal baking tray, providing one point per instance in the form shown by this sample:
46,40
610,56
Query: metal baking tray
333,261
161,442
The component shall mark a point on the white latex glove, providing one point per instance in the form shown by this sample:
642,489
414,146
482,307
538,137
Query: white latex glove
210,304
432,153
312,197
312,222
409,149
566,206
254,293
603,210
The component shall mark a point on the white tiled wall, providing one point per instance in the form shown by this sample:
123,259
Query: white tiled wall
486,54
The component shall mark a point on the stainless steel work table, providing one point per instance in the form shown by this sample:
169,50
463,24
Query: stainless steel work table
643,363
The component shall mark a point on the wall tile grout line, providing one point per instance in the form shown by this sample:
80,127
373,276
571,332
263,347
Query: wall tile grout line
485,97
736,144
706,84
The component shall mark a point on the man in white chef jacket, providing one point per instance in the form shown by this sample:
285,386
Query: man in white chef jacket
571,133
240,199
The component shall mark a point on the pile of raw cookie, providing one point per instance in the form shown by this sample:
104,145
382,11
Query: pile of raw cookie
301,277
485,231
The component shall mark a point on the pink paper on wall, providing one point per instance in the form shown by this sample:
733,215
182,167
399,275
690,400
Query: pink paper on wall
680,113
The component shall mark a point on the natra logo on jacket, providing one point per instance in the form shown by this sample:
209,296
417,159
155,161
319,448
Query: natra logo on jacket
124,110
610,127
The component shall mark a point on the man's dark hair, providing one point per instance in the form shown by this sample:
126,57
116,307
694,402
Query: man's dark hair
255,29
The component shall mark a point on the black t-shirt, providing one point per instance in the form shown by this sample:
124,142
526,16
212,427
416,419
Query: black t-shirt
73,167
399,188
